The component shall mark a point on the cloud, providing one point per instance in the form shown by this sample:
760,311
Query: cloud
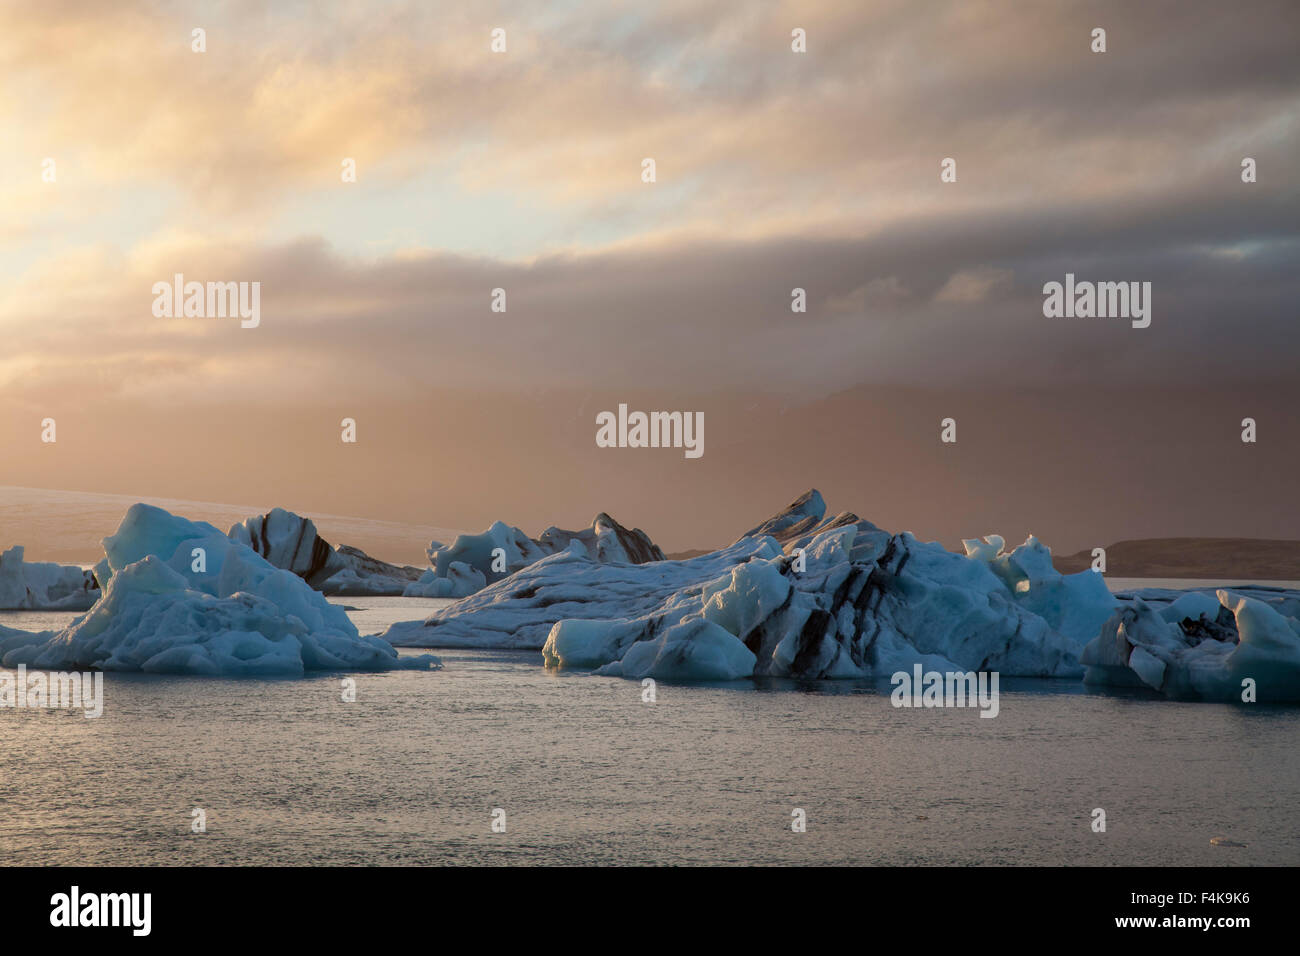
752,140
521,171
680,316
882,293
973,285
778,170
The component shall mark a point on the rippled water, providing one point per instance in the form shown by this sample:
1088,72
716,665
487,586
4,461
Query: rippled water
588,773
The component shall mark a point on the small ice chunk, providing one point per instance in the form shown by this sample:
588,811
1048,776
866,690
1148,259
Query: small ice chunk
695,650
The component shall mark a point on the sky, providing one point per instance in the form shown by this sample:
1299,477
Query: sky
774,170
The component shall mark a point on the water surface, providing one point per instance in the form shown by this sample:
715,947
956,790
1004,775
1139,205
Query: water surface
587,772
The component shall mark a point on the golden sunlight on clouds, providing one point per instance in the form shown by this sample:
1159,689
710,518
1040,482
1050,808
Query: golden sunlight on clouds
521,170
760,140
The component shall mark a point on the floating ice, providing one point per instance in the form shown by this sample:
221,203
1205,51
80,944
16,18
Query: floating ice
519,611
1189,650
183,598
460,581
606,540
43,586
854,601
476,551
475,560
694,650
288,541
291,542
1077,605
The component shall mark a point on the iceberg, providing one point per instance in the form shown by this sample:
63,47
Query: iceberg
180,597
606,540
460,580
1238,647
695,650
475,551
471,562
291,542
808,595
358,573
1077,605
802,594
804,519
43,586
518,611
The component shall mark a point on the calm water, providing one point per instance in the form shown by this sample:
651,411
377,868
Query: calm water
588,773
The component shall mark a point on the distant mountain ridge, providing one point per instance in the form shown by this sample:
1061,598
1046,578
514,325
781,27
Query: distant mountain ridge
1250,559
